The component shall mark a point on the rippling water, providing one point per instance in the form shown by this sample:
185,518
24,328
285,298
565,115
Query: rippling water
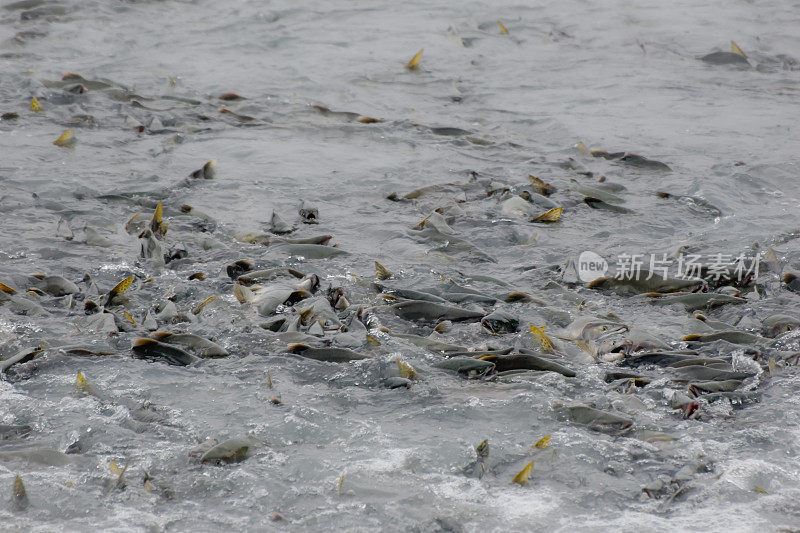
623,76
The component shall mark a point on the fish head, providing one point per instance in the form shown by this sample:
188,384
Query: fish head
598,330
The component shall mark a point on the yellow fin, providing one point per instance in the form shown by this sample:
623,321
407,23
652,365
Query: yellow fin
373,340
773,366
524,474
157,224
759,489
339,485
414,63
549,216
67,138
543,443
243,294
171,81
542,339
122,472
482,449
269,380
114,468
121,287
204,303
736,50
82,385
503,29
6,289
35,105
382,272
129,317
406,371
582,147
128,223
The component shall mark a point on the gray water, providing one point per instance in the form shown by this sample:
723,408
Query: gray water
622,76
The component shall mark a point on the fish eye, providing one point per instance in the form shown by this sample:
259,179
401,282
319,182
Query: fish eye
605,328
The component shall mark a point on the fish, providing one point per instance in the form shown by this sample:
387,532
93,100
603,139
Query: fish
346,114
791,281
597,419
593,192
732,336
153,350
596,203
270,274
83,386
119,472
553,215
694,301
524,474
12,431
36,456
526,361
238,116
331,355
425,342
208,171
467,366
647,282
200,346
705,373
640,161
269,299
193,212
230,97
278,226
227,452
727,58
66,139
592,329
774,325
118,290
381,272
433,312
23,356
499,321
695,201
414,63
703,387
19,495
396,382
157,225
197,310
308,251
239,267
406,370
541,187
308,213
544,342
542,443
53,285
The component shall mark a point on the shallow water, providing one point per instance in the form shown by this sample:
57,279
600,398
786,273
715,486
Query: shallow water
621,76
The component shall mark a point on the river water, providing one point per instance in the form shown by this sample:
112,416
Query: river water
341,450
